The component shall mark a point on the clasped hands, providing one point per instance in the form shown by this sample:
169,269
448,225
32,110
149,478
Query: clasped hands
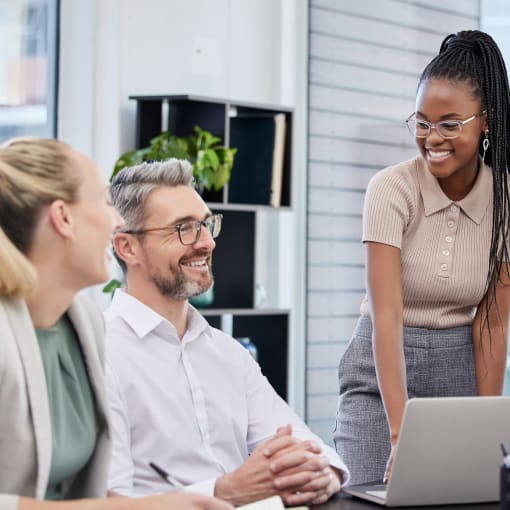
284,465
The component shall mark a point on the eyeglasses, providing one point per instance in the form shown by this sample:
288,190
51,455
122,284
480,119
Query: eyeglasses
189,231
447,129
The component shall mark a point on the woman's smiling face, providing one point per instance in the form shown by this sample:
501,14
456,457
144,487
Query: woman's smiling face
454,162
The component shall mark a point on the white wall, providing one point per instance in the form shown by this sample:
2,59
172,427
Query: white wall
246,50
495,20
113,49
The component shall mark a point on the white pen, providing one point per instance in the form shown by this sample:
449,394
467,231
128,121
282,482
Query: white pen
166,476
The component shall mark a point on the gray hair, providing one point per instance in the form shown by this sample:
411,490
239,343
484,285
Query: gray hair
132,185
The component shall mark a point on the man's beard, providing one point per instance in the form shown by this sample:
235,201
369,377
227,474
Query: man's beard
174,284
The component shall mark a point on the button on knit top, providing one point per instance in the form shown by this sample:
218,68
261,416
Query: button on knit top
444,244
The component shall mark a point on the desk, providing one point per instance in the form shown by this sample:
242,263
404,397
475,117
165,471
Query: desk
345,502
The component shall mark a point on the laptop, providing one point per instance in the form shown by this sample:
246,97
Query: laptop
448,452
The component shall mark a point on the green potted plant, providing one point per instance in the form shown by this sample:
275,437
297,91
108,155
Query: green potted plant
212,162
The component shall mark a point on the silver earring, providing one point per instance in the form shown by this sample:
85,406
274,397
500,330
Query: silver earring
485,144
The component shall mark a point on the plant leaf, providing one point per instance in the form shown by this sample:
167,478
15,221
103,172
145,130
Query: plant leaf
212,163
130,158
110,287
211,159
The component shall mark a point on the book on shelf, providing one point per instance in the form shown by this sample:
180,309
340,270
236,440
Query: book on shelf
258,168
278,160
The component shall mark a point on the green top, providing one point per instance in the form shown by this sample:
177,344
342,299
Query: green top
73,421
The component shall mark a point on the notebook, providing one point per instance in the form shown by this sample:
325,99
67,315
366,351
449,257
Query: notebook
448,452
272,503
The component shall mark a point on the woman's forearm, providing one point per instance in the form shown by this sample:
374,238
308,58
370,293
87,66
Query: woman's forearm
490,352
391,375
490,337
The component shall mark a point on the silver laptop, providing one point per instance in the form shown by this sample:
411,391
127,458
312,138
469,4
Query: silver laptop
448,452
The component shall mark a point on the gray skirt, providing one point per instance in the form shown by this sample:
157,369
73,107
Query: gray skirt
439,363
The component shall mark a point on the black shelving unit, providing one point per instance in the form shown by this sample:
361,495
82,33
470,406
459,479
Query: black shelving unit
229,121
269,331
251,127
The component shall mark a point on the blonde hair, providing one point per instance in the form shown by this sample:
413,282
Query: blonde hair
33,173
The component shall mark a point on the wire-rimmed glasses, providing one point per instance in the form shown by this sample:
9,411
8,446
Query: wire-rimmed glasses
447,129
188,231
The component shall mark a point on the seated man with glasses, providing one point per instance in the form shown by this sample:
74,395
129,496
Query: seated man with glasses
190,408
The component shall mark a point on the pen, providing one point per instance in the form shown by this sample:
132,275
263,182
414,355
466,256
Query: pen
163,474
506,456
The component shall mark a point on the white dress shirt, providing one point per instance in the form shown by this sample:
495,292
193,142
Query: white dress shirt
196,408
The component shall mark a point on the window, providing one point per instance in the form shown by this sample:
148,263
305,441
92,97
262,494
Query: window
28,68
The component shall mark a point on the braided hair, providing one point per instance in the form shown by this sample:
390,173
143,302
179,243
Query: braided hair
473,57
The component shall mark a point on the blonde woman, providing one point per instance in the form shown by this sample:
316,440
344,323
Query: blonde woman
56,222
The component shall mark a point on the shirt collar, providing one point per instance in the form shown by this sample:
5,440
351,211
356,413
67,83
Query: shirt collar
142,319
197,325
474,204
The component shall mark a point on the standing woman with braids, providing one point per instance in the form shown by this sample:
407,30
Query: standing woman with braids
435,319
56,224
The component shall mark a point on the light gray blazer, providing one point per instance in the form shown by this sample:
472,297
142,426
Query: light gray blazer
25,423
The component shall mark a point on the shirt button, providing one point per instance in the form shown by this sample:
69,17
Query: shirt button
444,267
446,253
453,208
451,224
448,239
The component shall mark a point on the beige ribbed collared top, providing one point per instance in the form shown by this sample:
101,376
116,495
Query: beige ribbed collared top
444,244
